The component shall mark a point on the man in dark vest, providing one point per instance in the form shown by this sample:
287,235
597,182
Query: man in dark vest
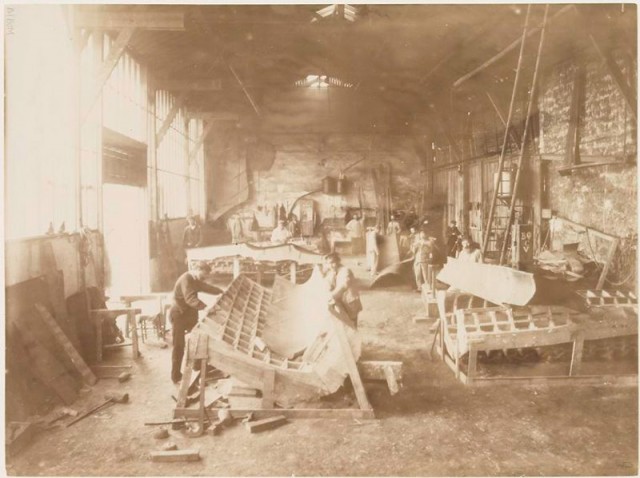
184,310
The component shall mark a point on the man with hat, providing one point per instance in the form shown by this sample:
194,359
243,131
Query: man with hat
184,310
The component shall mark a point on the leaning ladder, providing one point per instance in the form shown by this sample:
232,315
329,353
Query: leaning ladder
501,225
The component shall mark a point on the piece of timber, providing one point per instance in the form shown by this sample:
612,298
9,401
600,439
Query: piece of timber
175,455
265,424
67,346
497,284
189,413
376,369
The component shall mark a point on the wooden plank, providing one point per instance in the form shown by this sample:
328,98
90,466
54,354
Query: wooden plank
607,265
588,380
175,455
67,346
269,388
287,412
103,20
392,383
375,369
572,148
576,354
265,424
350,362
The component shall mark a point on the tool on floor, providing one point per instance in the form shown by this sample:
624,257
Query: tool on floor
110,399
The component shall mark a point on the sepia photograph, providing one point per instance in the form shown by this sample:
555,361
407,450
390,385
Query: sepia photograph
303,239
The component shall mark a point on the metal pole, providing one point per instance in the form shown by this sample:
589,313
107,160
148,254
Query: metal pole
524,134
506,134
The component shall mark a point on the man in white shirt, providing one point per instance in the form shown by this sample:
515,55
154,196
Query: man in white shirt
356,234
280,234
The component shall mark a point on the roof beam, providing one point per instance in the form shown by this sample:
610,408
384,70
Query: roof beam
512,46
614,70
150,20
213,115
190,85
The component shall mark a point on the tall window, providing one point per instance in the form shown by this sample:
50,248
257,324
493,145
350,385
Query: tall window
41,142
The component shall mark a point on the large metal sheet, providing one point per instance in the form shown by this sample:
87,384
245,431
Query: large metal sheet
497,284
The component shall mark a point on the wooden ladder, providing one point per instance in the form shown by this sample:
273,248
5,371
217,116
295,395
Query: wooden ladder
498,228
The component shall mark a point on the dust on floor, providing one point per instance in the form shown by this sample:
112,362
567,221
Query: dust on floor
435,426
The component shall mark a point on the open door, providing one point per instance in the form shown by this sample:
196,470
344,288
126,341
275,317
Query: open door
125,216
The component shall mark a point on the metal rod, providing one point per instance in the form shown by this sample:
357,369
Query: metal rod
255,107
532,95
494,198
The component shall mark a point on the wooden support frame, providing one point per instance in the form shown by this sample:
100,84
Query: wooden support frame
572,148
200,142
166,123
198,350
99,315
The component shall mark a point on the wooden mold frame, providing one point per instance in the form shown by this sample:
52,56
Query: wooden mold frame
231,345
473,330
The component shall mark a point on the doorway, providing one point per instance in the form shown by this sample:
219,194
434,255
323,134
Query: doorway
126,239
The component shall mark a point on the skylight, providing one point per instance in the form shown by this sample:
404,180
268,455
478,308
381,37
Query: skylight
348,12
322,81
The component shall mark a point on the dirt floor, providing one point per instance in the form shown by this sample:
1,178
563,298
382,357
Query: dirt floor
435,426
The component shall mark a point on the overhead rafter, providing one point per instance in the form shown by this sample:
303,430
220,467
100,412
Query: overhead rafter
206,84
614,70
213,115
504,52
144,20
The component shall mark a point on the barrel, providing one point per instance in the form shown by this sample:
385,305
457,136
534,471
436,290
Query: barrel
329,185
341,186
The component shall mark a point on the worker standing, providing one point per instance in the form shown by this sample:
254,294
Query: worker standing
373,251
470,251
341,282
355,229
184,311
393,227
453,238
192,236
423,256
280,235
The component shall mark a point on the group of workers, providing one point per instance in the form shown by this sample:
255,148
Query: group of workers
343,299
343,295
